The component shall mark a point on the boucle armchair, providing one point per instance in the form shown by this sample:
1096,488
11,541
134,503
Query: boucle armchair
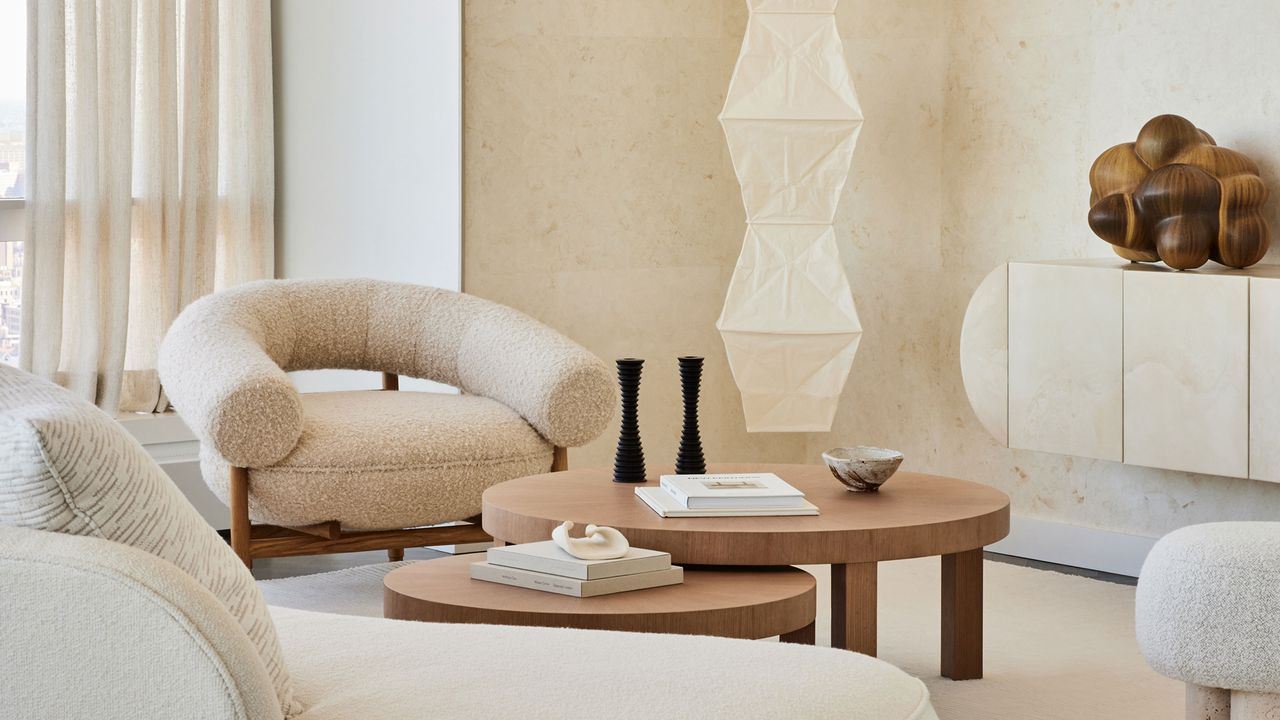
118,602
346,471
1208,614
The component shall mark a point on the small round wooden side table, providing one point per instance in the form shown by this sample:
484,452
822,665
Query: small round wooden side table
750,603
913,515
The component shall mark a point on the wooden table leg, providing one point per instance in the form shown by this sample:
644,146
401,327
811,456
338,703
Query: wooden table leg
962,615
806,635
853,607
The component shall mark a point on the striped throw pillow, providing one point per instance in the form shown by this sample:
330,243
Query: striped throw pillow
68,467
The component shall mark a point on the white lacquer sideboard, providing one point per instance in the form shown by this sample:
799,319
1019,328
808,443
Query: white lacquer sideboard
1131,363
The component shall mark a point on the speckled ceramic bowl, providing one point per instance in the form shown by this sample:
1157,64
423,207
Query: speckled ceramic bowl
862,469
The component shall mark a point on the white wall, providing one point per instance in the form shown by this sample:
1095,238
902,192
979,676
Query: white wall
368,145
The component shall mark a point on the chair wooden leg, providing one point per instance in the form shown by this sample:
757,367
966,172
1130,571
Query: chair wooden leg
240,533
560,459
390,381
395,554
269,541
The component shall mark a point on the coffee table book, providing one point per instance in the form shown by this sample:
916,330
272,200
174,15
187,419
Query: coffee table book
716,491
661,502
547,557
572,586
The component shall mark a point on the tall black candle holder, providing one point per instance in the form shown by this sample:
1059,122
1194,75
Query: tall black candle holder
628,461
689,459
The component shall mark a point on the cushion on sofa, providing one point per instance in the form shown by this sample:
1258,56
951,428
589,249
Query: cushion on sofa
1208,606
378,460
347,667
66,466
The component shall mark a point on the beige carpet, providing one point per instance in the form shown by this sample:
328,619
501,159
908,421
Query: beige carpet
1059,647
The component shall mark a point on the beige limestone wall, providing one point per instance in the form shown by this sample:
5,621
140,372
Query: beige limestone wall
1034,91
599,197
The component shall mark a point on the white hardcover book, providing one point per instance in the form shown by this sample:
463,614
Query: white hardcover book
516,577
547,557
666,506
732,490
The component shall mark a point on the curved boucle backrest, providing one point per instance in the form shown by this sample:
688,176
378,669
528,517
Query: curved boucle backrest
223,362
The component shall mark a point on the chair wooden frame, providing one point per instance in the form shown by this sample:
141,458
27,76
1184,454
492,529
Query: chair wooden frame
251,541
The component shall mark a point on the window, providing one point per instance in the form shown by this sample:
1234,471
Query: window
13,121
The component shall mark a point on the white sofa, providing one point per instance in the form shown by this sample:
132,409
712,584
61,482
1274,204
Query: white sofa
117,603
1208,614
93,628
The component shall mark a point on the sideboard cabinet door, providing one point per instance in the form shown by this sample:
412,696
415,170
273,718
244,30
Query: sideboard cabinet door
1264,379
1186,372
1065,369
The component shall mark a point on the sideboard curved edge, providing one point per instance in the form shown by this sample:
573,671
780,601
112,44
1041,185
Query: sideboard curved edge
984,353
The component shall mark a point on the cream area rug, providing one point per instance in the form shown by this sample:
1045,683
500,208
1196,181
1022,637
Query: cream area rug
1058,647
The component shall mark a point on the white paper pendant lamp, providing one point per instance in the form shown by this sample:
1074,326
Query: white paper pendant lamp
791,119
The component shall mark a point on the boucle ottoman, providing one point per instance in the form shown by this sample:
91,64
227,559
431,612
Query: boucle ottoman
1208,613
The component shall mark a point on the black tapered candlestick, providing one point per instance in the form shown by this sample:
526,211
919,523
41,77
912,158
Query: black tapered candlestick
689,459
628,462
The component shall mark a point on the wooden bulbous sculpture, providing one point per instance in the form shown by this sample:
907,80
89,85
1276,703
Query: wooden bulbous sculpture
1176,196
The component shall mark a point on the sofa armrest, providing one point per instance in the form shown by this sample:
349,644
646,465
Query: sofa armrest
93,628
564,391
227,389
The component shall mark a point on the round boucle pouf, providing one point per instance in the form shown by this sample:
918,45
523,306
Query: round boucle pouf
1208,606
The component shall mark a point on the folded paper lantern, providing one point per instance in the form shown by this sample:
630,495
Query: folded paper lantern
1175,195
791,119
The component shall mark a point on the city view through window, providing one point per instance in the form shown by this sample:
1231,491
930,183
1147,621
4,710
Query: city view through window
13,118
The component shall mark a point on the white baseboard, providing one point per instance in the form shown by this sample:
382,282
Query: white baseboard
1082,547
460,549
464,549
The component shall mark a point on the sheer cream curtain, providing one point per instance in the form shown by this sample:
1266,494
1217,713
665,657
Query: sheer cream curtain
151,180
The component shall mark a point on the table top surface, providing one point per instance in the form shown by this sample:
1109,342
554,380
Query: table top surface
447,582
912,515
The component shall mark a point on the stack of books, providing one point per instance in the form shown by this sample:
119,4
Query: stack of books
725,495
544,566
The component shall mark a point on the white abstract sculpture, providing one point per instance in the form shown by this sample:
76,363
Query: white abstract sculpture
600,543
791,119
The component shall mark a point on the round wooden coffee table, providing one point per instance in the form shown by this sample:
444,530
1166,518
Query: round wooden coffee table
748,603
913,515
